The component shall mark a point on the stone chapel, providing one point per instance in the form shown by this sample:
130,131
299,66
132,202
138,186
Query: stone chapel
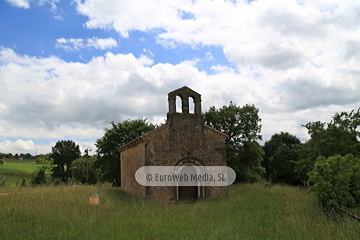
184,140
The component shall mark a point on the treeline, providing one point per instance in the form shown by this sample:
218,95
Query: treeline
65,163
328,161
17,156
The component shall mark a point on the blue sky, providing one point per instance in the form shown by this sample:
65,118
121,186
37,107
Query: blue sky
34,32
68,68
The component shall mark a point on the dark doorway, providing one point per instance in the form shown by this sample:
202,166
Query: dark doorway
188,193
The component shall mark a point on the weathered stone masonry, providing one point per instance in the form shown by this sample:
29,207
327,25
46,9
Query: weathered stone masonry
183,140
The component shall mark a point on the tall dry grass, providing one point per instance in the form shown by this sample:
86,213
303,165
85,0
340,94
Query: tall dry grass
250,212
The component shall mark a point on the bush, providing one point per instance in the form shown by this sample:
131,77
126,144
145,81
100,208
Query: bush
336,181
39,177
41,173
2,161
249,175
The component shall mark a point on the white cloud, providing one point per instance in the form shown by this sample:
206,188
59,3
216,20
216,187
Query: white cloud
131,15
209,56
19,3
49,131
149,52
58,13
191,62
222,69
275,35
28,146
101,43
298,61
19,146
73,44
73,99
78,100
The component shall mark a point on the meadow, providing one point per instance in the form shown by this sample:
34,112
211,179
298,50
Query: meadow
250,211
15,170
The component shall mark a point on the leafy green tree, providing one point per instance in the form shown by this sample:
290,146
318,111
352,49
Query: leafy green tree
2,161
337,137
281,150
42,170
80,168
42,158
249,157
242,126
63,154
307,158
336,181
108,160
340,136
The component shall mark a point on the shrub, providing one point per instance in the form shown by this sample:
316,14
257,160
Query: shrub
2,161
39,177
42,170
336,181
250,174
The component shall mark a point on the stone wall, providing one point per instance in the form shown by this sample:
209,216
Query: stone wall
131,160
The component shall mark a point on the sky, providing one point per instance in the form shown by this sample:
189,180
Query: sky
69,68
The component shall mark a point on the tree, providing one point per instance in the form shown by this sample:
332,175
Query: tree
108,160
249,157
42,170
80,167
281,150
336,181
340,136
63,154
241,124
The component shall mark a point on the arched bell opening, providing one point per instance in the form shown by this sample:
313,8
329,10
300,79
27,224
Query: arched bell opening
178,104
191,105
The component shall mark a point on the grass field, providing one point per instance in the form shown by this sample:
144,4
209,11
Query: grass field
15,170
250,212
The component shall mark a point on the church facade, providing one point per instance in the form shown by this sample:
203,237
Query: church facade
184,140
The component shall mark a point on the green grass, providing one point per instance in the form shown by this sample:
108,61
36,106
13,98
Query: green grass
15,170
250,212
